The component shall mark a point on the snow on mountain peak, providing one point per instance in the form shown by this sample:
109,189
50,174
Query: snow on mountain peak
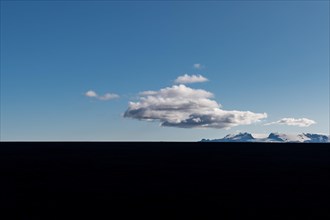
273,137
240,135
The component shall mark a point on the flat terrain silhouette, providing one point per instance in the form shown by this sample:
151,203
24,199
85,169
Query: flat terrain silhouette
40,180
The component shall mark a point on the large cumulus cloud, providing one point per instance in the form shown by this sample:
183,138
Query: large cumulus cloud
181,106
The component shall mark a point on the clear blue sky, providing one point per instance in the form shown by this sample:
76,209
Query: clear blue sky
269,56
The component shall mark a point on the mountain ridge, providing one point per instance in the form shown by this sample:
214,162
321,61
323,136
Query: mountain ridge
273,137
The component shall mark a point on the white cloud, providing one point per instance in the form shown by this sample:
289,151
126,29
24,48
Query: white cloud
198,66
105,97
185,79
181,106
108,96
301,122
91,93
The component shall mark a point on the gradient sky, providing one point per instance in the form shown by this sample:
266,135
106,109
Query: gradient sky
269,56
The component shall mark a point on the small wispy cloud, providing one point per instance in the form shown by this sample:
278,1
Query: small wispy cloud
186,79
198,66
108,96
301,122
91,93
105,97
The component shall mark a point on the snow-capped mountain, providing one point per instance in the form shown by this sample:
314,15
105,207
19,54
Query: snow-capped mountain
317,138
274,137
241,137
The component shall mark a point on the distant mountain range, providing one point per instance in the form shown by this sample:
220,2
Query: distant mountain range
274,137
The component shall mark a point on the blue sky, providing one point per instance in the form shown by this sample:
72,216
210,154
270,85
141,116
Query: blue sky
264,57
